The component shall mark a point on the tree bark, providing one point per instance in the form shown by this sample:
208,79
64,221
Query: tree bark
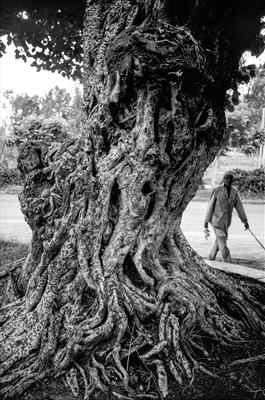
110,280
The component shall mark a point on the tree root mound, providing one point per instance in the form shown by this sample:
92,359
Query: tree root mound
100,342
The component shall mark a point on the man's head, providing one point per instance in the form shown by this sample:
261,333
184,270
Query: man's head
228,178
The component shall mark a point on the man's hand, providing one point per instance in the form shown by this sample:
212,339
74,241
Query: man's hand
246,225
206,230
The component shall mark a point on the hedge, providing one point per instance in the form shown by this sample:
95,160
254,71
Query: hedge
250,182
9,177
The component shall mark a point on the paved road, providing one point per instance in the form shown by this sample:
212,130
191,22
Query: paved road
241,243
12,223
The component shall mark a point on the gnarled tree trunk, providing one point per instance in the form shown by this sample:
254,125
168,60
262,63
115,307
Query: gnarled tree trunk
110,279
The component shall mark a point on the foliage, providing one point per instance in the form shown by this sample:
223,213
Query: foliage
39,128
57,103
254,140
48,130
244,75
9,176
256,94
22,105
244,123
237,124
7,154
57,111
49,31
250,182
32,128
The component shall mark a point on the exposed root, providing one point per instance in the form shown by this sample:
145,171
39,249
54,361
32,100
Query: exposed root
184,319
157,349
175,372
94,382
139,266
121,369
72,381
6,269
101,368
121,396
162,377
260,357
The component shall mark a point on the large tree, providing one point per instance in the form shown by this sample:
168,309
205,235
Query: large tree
110,280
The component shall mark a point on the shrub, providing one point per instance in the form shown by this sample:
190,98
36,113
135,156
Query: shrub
9,177
49,130
32,128
250,182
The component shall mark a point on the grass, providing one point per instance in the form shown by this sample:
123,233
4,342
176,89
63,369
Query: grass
11,251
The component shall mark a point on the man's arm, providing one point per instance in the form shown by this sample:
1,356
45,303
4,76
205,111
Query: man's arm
209,212
240,210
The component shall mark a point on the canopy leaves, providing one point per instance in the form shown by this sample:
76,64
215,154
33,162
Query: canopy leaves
50,31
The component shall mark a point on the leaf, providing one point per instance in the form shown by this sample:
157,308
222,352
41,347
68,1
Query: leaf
251,67
9,40
230,106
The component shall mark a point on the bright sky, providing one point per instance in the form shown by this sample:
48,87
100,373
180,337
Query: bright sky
22,78
254,60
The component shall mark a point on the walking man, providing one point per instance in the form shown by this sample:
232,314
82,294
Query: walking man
219,213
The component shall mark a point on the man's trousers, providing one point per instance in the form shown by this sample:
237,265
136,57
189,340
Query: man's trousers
220,244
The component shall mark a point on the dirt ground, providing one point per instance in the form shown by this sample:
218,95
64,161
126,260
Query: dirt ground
222,381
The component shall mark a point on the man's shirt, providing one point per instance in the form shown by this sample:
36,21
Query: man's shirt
220,208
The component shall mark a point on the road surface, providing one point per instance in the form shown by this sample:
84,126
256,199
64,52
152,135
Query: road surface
241,242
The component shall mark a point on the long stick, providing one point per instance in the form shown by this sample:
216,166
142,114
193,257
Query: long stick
252,233
256,238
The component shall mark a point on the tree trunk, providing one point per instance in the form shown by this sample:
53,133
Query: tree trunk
110,281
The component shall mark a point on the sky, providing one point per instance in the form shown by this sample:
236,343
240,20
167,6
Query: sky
20,77
249,59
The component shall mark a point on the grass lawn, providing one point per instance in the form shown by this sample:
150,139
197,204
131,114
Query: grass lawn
11,251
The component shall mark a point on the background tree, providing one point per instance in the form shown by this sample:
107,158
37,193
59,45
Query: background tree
22,106
256,94
6,155
57,102
43,129
57,107
110,280
238,125
244,123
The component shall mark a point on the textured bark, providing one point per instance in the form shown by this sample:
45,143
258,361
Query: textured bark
110,281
